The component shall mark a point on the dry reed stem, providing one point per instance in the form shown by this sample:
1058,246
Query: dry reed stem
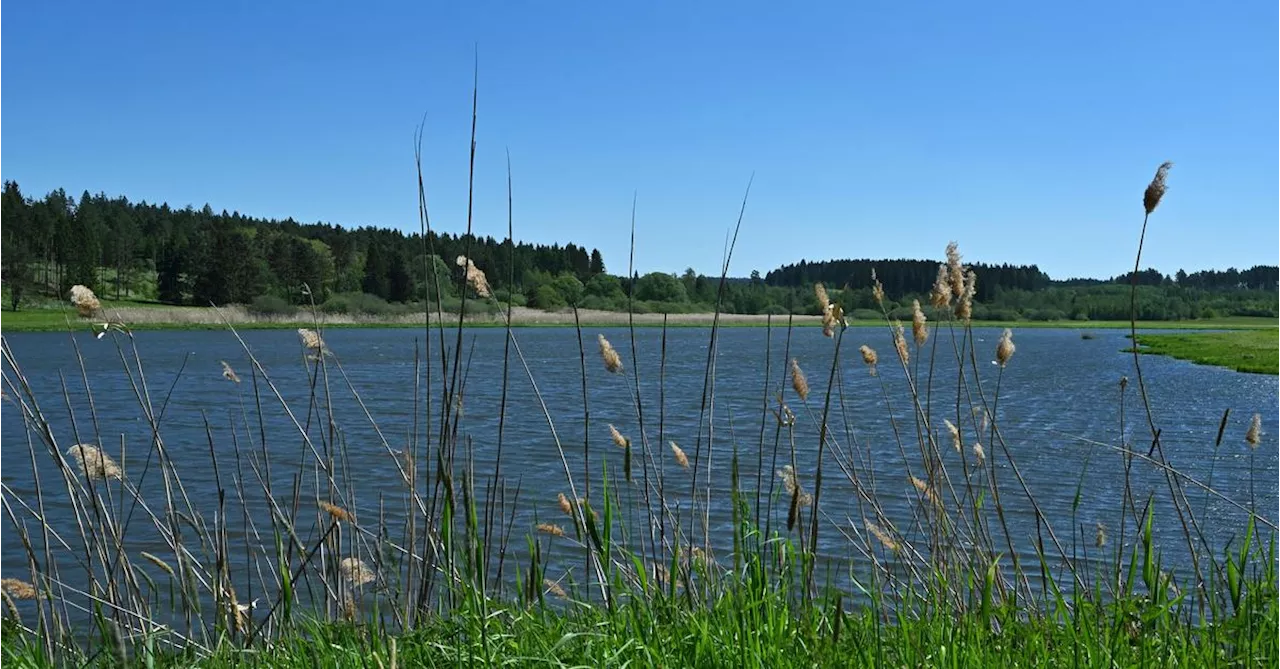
228,373
681,458
919,324
1156,189
355,572
85,302
1005,349
17,588
475,277
799,382
11,607
612,361
1254,434
95,464
349,608
336,512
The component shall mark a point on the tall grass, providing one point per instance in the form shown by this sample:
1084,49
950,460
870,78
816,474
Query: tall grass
631,570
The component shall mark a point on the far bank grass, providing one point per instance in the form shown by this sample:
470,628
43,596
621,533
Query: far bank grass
167,317
1255,351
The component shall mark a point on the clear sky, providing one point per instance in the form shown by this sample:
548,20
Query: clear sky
1024,130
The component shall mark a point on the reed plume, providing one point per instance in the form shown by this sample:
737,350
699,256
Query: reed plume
553,530
1253,435
85,302
923,488
311,340
681,458
955,269
964,308
955,434
228,373
792,486
475,277
617,437
798,380
554,588
940,296
1005,349
831,313
869,357
877,289
566,507
612,361
900,342
95,464
1156,189
18,589
979,453
11,607
164,566
884,538
336,512
355,572
919,324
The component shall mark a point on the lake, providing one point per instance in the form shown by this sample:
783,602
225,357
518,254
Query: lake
1059,398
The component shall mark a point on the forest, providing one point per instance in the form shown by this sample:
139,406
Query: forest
148,252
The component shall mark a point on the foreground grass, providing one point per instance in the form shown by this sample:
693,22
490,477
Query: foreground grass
747,628
1256,351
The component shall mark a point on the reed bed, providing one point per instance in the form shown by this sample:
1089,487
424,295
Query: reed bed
626,570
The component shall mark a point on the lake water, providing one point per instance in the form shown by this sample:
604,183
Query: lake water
1059,392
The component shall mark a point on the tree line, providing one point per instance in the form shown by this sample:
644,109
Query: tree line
143,251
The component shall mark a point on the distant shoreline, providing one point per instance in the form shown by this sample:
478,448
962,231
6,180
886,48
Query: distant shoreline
162,317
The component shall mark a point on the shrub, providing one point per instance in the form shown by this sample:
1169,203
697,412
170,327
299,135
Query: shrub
271,305
775,309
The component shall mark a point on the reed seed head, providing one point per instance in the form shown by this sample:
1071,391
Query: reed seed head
475,277
1100,536
612,361
955,434
1005,349
900,343
311,340
85,302
18,589
885,539
964,308
566,507
681,458
792,485
869,357
919,324
228,373
553,530
1156,189
164,566
1254,434
336,512
820,291
877,289
940,296
955,269
979,453
799,382
10,607
923,488
617,437
355,572
554,588
95,464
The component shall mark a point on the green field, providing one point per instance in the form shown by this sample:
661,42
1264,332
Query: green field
1256,351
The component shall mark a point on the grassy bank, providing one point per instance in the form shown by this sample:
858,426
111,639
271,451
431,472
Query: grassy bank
1255,351
151,316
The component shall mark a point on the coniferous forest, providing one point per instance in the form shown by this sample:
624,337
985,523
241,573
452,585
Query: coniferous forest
148,252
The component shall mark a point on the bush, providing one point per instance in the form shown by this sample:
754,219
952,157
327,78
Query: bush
548,298
357,303
271,305
775,309
865,315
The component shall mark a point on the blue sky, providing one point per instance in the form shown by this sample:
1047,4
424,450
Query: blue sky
1025,131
